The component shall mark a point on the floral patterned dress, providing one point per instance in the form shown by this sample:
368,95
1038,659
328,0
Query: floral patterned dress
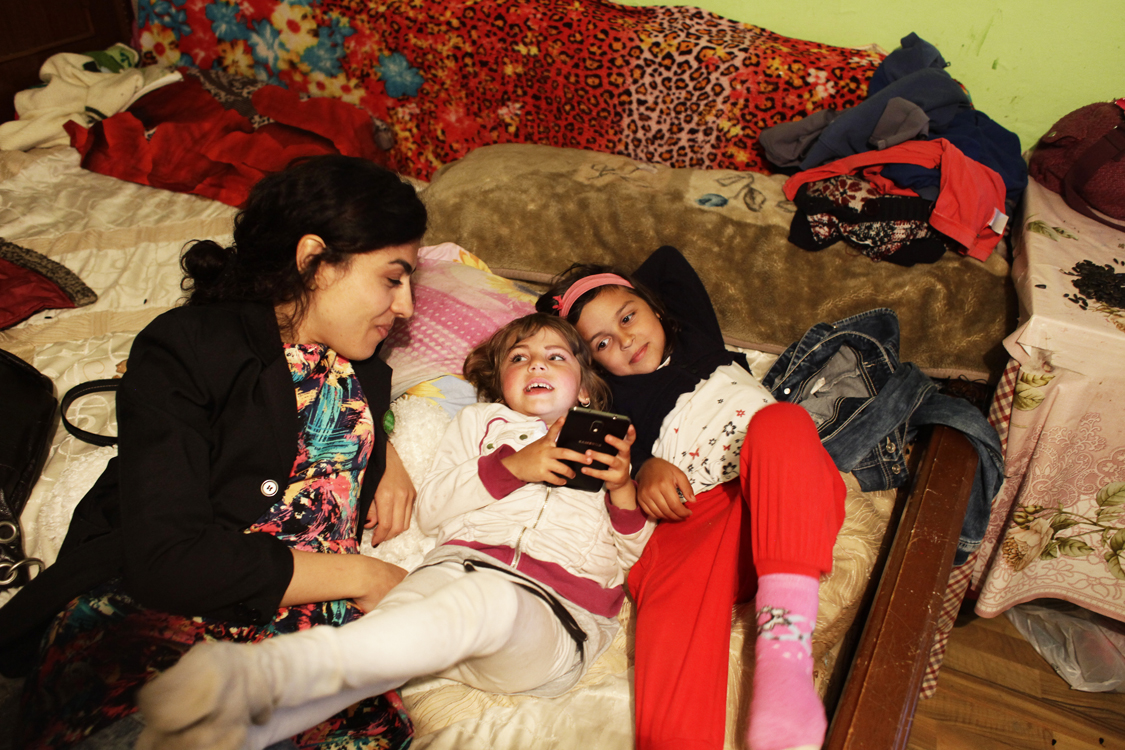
104,646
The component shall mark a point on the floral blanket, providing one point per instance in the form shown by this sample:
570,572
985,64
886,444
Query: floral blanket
677,86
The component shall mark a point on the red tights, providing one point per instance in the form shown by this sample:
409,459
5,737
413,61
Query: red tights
693,571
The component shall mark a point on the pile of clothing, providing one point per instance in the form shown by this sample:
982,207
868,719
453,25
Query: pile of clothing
205,132
82,89
868,407
913,170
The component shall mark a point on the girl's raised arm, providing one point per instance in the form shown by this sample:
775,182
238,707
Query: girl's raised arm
675,283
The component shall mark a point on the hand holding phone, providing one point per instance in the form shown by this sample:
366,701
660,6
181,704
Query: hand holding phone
586,429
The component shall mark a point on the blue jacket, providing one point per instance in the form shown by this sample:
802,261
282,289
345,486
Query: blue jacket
868,406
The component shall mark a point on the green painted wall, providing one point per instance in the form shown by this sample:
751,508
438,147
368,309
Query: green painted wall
1026,63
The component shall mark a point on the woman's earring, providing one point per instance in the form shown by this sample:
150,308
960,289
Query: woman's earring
584,402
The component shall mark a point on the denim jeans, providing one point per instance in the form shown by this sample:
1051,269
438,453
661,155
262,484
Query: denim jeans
868,406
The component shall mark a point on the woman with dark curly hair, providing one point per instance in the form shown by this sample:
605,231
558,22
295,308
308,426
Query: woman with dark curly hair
251,455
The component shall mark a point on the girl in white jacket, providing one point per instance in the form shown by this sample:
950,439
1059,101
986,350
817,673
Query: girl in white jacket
520,595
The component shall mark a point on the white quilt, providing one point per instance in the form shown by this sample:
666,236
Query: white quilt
124,241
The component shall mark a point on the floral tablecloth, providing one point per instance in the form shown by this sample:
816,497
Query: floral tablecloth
1058,524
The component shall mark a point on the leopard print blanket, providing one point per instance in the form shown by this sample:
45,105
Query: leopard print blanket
669,85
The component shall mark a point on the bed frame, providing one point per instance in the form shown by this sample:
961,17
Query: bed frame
874,691
874,708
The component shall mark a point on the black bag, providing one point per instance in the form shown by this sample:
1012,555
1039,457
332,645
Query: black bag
27,424
77,392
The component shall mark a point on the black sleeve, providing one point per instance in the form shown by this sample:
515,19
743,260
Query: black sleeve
184,551
375,377
675,283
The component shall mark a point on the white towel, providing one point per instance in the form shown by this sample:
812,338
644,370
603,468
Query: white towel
74,94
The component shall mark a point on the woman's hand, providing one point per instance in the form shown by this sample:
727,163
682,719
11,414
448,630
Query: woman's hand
381,577
393,505
542,461
663,490
618,483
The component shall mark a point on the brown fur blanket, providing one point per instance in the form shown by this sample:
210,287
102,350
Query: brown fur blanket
530,211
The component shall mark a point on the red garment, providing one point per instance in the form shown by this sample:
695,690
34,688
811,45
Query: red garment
194,145
30,282
693,571
26,293
971,194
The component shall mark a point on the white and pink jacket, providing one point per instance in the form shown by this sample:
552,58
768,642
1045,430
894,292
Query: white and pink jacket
573,541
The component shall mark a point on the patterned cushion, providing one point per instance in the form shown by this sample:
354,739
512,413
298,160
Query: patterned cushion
30,282
458,303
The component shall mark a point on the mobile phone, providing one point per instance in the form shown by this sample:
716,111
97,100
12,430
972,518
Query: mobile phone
586,429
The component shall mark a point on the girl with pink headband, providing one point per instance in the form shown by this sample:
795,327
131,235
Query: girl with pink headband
750,504
565,301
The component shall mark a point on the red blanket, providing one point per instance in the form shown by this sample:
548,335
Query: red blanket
181,137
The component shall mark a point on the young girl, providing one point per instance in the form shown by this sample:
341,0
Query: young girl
519,596
710,437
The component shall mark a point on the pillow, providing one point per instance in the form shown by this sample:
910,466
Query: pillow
530,211
458,303
30,282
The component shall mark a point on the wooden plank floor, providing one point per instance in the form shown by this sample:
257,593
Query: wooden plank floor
995,691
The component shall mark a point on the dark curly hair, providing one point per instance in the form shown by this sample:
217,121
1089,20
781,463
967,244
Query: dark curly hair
549,305
355,206
482,366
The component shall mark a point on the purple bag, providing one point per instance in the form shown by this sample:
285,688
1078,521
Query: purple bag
1082,157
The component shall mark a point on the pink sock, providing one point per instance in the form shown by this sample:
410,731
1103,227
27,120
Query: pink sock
786,711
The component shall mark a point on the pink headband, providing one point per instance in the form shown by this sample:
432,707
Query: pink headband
580,287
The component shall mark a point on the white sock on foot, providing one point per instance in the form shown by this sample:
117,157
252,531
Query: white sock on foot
219,689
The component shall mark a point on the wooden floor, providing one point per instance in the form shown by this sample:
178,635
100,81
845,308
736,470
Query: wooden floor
995,691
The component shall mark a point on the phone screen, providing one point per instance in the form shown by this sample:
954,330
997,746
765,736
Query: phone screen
586,429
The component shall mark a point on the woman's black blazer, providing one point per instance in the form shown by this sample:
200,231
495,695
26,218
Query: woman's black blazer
208,426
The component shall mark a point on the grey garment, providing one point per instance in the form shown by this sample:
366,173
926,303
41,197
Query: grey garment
933,90
786,144
839,378
902,120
